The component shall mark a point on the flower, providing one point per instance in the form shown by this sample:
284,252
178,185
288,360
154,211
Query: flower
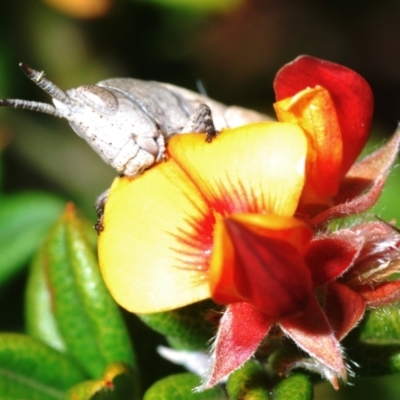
243,220
172,209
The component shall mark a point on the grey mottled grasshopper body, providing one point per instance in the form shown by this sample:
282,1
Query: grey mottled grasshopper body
128,121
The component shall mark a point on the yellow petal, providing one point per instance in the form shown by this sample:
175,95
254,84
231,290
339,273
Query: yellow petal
256,168
156,240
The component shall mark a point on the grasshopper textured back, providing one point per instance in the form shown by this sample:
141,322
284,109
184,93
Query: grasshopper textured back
128,121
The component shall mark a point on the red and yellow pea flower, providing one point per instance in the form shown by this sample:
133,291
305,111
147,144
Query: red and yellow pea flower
236,220
173,210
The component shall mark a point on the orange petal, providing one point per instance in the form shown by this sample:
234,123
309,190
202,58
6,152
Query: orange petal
254,168
156,240
314,111
259,259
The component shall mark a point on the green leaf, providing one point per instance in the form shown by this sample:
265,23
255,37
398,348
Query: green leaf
375,345
118,383
39,314
185,328
180,387
387,206
87,318
295,387
382,326
31,370
248,383
25,219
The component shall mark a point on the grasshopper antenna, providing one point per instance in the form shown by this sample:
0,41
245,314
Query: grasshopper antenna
49,87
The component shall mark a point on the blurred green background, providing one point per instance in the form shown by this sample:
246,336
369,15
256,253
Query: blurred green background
234,47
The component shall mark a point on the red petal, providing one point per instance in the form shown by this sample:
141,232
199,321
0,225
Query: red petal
312,333
259,259
350,92
344,308
387,293
240,332
330,256
372,171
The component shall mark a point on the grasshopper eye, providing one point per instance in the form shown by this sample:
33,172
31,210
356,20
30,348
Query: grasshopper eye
99,98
